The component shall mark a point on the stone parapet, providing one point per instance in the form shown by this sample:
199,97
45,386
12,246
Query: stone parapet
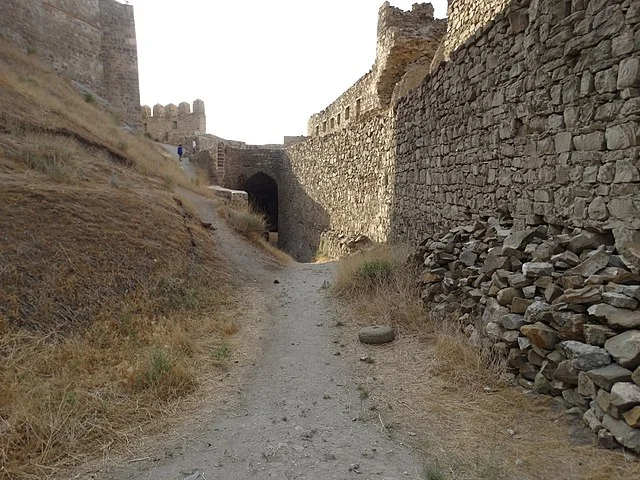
175,124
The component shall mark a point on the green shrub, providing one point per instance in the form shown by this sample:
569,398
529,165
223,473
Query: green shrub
159,366
375,272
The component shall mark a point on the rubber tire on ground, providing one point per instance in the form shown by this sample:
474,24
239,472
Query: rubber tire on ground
376,335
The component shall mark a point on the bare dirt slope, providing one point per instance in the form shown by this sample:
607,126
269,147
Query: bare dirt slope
300,412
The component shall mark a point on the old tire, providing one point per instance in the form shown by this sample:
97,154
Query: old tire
376,335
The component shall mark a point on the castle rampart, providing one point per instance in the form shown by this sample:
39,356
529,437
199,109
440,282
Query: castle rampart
174,124
466,17
536,113
406,41
90,41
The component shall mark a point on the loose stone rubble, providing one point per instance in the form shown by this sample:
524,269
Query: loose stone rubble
560,305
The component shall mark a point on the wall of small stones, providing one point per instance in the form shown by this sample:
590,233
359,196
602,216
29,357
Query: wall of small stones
561,305
91,41
466,17
348,176
119,57
346,109
538,115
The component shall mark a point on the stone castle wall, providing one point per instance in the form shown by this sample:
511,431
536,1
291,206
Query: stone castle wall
405,39
360,98
175,124
537,114
90,41
343,186
466,17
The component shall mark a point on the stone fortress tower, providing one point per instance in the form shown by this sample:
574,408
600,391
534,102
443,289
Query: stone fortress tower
171,124
92,42
406,45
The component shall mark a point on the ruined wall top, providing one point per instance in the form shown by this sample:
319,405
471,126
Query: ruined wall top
466,17
406,40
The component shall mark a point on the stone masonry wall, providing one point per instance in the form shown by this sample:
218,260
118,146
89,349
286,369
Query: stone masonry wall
91,41
174,124
466,17
347,179
360,98
119,57
538,115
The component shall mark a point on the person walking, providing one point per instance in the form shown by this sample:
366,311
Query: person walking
180,151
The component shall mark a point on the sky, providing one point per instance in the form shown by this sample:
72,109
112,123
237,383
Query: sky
261,67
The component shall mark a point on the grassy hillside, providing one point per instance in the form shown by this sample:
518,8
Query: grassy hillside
108,285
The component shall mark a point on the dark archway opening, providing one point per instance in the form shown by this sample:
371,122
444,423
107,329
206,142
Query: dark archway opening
263,197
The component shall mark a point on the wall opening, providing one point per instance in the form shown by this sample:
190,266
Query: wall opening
175,125
333,123
347,113
263,196
358,107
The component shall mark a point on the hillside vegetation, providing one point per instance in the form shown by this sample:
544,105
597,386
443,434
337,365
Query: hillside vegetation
110,289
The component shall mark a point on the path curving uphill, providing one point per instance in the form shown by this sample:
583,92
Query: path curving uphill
301,415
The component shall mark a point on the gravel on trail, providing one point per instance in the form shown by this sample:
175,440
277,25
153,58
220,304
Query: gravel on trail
300,415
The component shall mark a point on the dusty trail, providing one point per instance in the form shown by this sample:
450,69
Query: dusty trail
301,415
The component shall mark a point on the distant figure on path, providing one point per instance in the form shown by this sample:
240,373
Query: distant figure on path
180,151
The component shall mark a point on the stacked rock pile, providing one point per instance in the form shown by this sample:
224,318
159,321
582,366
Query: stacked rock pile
562,306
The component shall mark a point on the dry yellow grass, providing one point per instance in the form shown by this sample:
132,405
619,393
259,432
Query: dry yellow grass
246,222
113,298
252,225
465,423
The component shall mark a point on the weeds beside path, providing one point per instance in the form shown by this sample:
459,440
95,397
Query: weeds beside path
299,413
442,395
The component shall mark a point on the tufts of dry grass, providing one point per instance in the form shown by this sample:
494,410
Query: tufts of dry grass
465,422
282,257
38,105
112,295
246,222
253,226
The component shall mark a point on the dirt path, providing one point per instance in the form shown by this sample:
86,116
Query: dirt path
301,415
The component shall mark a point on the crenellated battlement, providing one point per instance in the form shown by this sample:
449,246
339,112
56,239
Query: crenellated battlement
173,124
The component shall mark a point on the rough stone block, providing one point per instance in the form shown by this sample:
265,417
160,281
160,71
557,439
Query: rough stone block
589,142
622,136
623,433
585,357
563,142
626,172
597,334
608,376
617,318
540,335
586,387
625,348
629,73
625,395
